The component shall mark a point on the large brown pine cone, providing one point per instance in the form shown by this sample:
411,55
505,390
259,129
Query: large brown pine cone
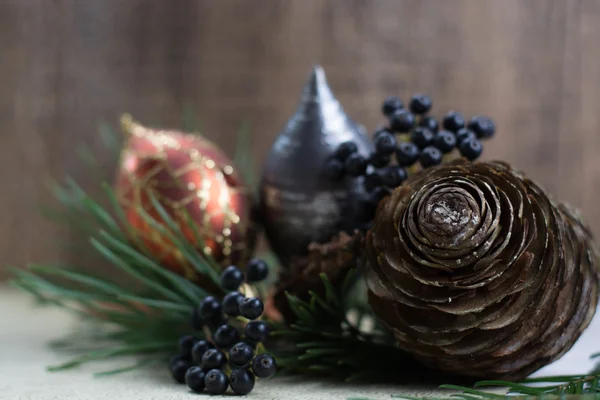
334,258
478,272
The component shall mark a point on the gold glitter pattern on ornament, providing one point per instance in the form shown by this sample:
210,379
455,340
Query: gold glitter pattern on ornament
191,179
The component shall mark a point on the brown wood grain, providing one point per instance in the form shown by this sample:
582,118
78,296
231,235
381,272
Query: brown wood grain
67,65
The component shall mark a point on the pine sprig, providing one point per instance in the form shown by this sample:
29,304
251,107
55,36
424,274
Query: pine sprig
327,338
144,319
546,387
555,385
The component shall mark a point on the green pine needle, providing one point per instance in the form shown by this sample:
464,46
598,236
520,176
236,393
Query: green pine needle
142,363
323,340
146,320
557,387
110,138
243,157
190,121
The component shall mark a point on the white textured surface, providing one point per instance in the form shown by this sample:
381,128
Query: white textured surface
25,330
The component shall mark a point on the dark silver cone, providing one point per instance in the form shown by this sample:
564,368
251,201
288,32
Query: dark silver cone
298,203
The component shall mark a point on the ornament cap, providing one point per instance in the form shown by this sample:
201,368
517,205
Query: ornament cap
131,127
300,204
317,89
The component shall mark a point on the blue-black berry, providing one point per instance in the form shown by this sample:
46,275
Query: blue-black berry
444,141
264,366
377,195
422,137
196,320
471,149
231,303
345,150
483,127
385,143
402,121
379,160
356,165
420,104
178,369
257,331
213,358
177,357
226,336
381,131
391,105
251,308
231,278
393,176
199,349
334,170
256,270
372,180
194,378
429,123
430,156
186,343
453,121
366,210
217,321
216,381
241,381
407,154
209,308
464,134
241,354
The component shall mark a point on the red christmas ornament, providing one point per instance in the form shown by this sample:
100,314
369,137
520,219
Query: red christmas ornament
191,178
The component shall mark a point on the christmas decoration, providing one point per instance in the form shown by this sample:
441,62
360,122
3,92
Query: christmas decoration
299,203
196,184
471,268
477,271
203,364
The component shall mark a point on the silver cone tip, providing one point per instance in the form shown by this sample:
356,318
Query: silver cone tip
316,88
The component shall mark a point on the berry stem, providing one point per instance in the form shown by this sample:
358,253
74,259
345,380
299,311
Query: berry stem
251,291
403,137
453,155
260,291
207,332
260,349
413,169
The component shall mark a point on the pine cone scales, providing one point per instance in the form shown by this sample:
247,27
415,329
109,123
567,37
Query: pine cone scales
334,258
478,272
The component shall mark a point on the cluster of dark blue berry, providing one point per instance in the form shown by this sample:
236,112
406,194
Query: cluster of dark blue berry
410,137
203,364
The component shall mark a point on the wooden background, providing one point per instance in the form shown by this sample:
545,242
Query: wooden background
67,65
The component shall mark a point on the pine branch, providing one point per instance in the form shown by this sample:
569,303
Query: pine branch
556,386
131,321
325,341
